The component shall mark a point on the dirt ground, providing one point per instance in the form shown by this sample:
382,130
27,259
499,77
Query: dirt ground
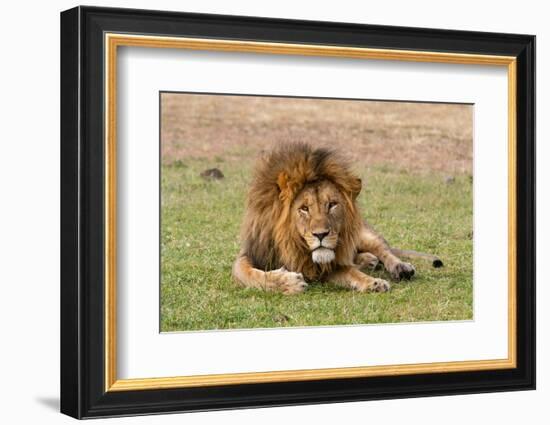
409,137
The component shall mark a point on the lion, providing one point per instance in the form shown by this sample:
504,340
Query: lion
302,224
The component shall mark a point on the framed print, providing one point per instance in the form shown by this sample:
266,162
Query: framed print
261,212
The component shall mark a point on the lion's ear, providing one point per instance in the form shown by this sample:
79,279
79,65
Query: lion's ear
355,187
282,181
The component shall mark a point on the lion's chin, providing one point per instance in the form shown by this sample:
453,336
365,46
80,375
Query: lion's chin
322,255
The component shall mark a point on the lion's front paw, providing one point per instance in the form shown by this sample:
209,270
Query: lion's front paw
380,285
371,284
288,283
401,271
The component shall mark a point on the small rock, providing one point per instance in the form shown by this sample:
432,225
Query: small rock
212,174
281,318
449,179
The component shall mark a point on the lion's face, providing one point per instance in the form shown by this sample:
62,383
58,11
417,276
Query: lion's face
301,212
318,214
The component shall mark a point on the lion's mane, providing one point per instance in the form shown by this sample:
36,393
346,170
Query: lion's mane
267,237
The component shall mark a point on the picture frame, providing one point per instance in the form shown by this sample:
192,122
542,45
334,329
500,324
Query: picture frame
90,40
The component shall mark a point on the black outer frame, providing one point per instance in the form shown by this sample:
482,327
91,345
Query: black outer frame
82,218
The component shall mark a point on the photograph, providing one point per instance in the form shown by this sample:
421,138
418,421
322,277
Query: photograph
283,211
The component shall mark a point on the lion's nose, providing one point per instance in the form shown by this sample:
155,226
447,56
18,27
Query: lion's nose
321,235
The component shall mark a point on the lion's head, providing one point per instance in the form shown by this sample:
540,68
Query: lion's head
301,211
317,213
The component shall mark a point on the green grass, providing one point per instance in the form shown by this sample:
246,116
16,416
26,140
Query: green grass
199,237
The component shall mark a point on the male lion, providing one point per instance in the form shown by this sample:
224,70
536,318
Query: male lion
302,223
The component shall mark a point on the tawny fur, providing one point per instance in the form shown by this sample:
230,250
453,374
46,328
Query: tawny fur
275,254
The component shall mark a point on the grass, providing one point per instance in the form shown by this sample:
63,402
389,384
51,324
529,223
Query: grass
199,242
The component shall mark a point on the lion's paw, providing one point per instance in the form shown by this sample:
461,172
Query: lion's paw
401,271
380,285
371,284
288,283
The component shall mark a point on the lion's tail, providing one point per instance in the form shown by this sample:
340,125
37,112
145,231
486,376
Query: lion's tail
405,253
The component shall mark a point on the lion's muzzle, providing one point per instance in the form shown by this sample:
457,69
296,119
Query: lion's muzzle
322,246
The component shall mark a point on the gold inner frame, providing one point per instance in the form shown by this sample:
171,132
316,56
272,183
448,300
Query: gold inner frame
113,41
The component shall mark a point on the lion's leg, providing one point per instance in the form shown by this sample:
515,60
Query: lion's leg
351,277
366,260
375,244
280,280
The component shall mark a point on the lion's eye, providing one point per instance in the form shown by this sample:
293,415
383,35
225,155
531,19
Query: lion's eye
331,205
304,208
